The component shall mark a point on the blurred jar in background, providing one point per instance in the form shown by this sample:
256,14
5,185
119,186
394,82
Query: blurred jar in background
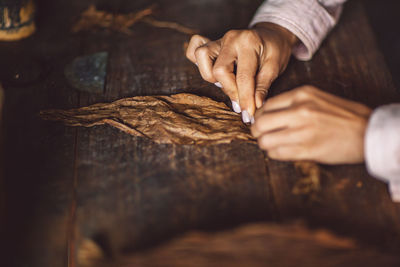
16,19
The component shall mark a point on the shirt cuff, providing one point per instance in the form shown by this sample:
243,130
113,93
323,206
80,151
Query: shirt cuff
382,147
309,20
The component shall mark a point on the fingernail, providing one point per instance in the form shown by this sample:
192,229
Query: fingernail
196,64
252,120
236,107
246,116
218,84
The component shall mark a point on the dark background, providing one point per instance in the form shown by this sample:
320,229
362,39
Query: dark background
385,20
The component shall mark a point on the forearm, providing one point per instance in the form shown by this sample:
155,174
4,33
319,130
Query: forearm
309,20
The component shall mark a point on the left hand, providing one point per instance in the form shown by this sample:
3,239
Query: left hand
308,124
244,63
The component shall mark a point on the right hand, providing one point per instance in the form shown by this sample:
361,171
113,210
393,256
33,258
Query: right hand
244,63
309,124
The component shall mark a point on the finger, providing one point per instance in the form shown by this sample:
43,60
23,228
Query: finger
304,93
247,66
223,72
290,153
276,120
325,101
281,101
205,57
266,75
284,137
195,42
338,101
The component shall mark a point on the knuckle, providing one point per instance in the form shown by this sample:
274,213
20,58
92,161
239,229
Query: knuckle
303,93
242,77
201,51
306,110
219,71
261,91
249,36
310,88
208,77
263,142
230,34
195,38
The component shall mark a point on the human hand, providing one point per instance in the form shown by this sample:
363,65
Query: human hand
244,63
308,124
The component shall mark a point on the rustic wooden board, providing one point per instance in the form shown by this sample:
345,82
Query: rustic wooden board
126,193
350,201
156,192
39,156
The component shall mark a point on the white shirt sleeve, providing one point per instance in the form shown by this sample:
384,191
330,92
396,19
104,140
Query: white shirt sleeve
309,20
382,147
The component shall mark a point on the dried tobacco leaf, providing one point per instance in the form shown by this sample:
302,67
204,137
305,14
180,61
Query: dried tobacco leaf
253,245
177,119
92,19
169,25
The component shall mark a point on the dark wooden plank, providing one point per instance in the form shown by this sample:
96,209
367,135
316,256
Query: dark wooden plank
127,193
154,192
350,65
152,62
39,156
265,244
2,182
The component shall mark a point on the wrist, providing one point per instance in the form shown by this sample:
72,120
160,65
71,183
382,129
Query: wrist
284,33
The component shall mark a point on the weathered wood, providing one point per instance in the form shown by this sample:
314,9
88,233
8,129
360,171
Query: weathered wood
154,192
39,156
2,186
127,193
251,245
350,65
159,191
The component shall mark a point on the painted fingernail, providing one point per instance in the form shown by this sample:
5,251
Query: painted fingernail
236,107
246,116
218,84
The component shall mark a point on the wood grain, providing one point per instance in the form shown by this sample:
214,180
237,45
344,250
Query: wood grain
350,65
128,194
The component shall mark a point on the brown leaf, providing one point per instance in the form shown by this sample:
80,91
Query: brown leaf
178,119
92,19
264,244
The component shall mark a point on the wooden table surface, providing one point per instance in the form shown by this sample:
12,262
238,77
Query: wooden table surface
127,193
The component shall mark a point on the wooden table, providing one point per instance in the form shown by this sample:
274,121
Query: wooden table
127,193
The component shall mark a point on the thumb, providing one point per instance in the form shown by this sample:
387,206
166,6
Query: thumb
195,42
266,75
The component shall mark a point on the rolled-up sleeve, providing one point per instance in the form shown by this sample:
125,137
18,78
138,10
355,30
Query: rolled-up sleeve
309,20
382,147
